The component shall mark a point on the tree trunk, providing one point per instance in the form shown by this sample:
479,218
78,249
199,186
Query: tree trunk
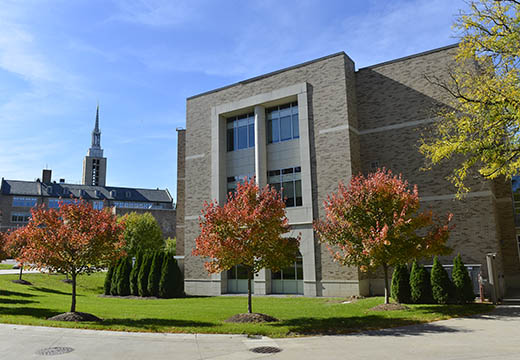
73,305
249,303
21,269
387,290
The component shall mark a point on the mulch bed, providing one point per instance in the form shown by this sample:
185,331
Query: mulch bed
22,282
74,316
251,318
389,307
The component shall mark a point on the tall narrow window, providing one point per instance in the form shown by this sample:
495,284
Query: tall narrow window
283,123
240,132
288,182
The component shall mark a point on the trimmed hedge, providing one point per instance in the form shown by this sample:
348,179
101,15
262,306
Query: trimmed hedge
400,289
123,278
134,274
441,283
462,282
108,280
144,271
171,284
155,273
115,277
420,285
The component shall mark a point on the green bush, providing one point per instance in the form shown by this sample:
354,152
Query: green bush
123,281
441,283
462,282
170,246
115,277
401,284
420,286
144,271
171,284
108,280
142,232
134,274
155,273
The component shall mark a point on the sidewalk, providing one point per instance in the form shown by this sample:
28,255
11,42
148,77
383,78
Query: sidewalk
489,336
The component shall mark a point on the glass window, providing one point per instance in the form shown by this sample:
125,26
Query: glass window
298,193
240,133
285,128
24,201
288,181
242,137
20,217
295,127
55,203
97,205
288,193
282,123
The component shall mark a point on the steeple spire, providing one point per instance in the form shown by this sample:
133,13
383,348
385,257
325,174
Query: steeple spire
95,148
96,128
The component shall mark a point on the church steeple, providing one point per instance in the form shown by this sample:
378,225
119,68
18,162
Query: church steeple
95,149
94,164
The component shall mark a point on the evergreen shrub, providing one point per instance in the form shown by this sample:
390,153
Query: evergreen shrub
400,289
462,282
441,283
420,285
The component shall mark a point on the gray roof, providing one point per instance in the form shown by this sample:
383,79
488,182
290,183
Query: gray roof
87,192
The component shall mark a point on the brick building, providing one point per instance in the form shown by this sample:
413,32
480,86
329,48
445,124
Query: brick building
17,197
307,127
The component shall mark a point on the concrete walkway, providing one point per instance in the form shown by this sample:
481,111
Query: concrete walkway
491,336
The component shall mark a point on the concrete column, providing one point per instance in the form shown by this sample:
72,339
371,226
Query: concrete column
262,279
260,147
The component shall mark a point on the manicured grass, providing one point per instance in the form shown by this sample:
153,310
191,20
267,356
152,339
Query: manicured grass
6,266
48,296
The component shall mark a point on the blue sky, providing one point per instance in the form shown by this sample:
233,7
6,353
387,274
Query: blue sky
141,59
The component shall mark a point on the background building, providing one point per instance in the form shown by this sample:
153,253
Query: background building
17,197
307,127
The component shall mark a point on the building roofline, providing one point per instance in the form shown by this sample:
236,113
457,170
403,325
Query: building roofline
256,78
428,52
92,186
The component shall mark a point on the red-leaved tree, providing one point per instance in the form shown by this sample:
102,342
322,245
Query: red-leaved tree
73,239
376,222
14,245
248,230
3,241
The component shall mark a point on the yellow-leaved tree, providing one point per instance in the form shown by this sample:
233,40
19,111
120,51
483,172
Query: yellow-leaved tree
480,132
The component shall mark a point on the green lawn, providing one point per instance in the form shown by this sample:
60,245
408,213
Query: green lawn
48,296
6,266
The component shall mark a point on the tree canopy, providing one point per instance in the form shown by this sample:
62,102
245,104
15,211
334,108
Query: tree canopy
248,230
73,239
480,131
375,222
142,232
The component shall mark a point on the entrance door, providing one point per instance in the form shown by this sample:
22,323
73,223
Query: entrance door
288,280
237,280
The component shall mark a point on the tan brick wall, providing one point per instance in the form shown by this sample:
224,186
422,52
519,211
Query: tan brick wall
181,189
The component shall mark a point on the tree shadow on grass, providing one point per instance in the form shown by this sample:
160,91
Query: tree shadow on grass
28,311
363,325
15,293
16,301
52,291
155,324
456,310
